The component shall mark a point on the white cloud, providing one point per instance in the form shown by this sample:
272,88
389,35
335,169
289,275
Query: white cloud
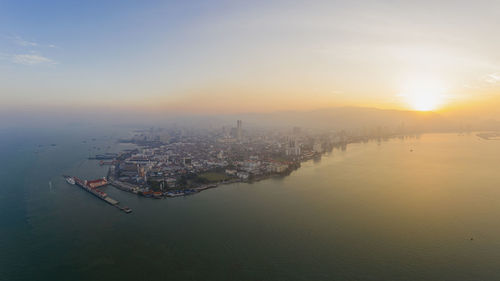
30,44
25,43
31,59
493,78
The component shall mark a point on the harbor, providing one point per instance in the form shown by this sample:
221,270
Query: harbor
92,187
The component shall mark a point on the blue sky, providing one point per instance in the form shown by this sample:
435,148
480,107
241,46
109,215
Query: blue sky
88,32
78,43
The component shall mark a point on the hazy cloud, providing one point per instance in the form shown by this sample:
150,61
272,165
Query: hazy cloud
24,43
493,78
28,53
31,59
18,40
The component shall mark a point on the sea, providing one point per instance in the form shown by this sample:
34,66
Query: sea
408,208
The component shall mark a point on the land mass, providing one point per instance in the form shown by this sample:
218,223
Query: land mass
177,162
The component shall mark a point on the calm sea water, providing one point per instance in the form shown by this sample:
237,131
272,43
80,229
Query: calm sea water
377,211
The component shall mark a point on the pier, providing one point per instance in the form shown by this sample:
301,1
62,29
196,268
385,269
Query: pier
92,187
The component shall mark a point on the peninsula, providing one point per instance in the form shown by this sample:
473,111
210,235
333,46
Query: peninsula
180,162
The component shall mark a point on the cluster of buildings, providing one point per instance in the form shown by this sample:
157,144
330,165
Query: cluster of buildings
172,160
168,160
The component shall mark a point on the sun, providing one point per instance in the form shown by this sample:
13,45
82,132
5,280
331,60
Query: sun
423,94
424,100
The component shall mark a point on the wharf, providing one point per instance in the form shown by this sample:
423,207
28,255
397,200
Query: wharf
91,187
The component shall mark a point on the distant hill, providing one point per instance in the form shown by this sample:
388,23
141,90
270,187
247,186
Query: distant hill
332,119
351,117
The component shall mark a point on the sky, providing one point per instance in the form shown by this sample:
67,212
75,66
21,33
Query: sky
249,56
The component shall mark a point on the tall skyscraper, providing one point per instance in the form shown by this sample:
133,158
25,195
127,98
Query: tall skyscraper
293,147
239,130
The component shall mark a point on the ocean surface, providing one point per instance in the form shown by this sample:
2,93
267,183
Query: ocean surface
425,208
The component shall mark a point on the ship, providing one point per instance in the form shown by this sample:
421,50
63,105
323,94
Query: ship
70,180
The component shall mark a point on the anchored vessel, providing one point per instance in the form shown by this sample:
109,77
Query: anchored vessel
70,180
91,187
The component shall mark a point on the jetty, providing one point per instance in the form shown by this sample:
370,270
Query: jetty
92,187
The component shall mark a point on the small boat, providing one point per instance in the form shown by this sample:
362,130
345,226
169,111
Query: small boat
127,210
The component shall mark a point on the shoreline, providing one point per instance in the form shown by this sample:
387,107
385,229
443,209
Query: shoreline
127,187
186,191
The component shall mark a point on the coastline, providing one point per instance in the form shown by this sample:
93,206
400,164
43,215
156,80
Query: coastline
186,191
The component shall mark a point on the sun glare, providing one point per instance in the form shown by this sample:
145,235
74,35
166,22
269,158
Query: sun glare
423,94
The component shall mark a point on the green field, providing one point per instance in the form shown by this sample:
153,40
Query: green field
214,177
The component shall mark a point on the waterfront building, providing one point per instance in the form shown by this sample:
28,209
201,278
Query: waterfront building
317,147
97,183
243,175
231,172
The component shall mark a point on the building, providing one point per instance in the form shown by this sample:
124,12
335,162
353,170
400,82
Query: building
239,130
293,148
317,147
279,168
243,175
231,172
97,183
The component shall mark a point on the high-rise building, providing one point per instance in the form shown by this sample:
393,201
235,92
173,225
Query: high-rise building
239,130
293,147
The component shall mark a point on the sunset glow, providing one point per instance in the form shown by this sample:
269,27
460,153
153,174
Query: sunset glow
424,94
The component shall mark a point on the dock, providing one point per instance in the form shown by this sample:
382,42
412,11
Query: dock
92,187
